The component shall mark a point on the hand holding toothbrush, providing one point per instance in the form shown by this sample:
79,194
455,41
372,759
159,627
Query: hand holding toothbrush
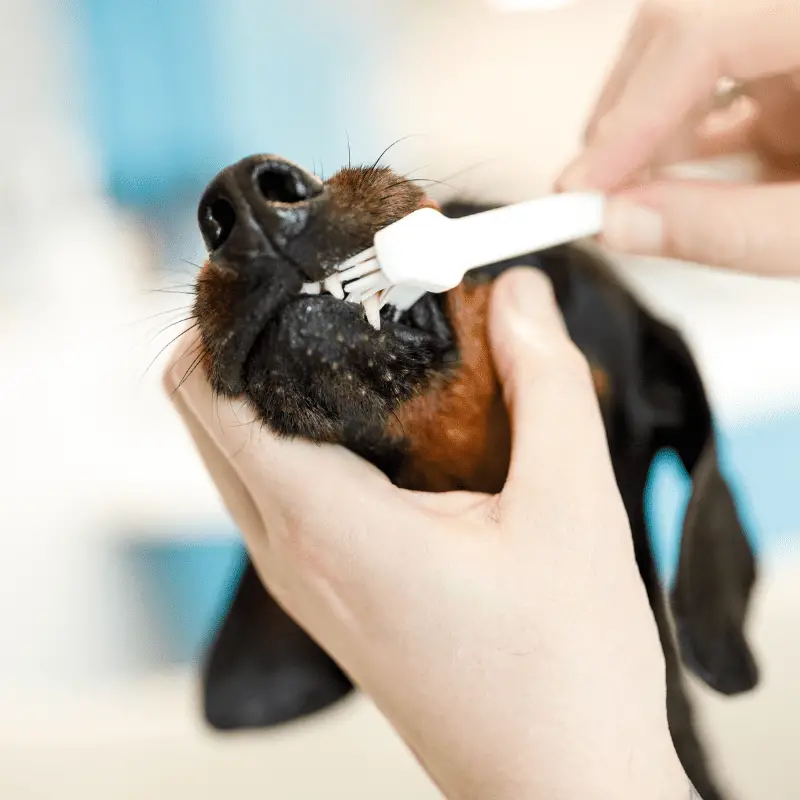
659,108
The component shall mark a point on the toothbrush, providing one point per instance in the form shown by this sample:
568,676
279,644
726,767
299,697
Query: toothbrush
428,252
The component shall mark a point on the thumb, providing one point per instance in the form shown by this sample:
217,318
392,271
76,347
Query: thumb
558,438
742,227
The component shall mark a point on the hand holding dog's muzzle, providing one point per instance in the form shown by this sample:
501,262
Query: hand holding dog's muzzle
507,638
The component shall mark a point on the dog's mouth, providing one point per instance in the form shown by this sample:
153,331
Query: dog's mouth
279,242
360,280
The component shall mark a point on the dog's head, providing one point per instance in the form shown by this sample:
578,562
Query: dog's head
311,365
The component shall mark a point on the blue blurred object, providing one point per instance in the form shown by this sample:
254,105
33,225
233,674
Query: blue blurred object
150,94
186,584
757,459
177,89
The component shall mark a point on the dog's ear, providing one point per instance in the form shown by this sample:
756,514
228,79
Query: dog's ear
713,585
716,566
262,669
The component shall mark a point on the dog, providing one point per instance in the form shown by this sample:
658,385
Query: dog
419,398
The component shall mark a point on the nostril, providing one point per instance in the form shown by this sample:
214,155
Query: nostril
217,219
284,183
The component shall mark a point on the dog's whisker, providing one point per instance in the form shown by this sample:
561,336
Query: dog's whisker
168,344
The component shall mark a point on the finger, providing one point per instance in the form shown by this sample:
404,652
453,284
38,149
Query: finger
558,440
749,228
636,42
733,132
763,118
675,73
234,493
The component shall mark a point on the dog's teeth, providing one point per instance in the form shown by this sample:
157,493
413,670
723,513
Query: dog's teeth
310,288
354,297
372,310
357,258
359,269
385,296
333,284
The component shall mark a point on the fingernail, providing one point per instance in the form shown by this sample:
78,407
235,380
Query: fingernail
573,177
528,301
524,288
633,228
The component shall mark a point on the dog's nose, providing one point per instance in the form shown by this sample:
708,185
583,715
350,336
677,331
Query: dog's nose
255,206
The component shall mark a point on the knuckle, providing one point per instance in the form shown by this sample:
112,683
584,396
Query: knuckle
668,15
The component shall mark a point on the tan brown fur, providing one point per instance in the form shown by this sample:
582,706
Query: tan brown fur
458,429
374,197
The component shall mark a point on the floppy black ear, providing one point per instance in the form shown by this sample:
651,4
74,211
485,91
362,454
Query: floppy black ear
262,669
714,582
716,567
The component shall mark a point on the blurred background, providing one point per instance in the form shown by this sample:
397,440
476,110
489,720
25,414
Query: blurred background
118,555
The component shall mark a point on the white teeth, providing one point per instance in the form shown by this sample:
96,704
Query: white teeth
333,285
366,285
385,296
373,311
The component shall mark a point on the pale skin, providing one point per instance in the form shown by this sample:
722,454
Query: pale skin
508,638
654,112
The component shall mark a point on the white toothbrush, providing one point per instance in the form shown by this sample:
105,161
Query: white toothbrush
428,252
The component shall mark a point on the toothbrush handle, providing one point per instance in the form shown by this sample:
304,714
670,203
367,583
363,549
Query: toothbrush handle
527,227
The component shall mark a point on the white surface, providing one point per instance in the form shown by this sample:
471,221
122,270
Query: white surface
529,5
144,739
753,738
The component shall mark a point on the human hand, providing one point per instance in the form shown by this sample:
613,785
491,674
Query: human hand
507,638
657,109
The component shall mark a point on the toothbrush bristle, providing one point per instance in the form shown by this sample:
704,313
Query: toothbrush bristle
357,280
375,280
359,270
358,258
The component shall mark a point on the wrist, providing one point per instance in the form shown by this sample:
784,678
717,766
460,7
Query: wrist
655,777
663,778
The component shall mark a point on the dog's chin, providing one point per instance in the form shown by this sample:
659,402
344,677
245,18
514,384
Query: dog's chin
320,371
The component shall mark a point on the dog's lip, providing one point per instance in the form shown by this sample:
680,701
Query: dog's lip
243,335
